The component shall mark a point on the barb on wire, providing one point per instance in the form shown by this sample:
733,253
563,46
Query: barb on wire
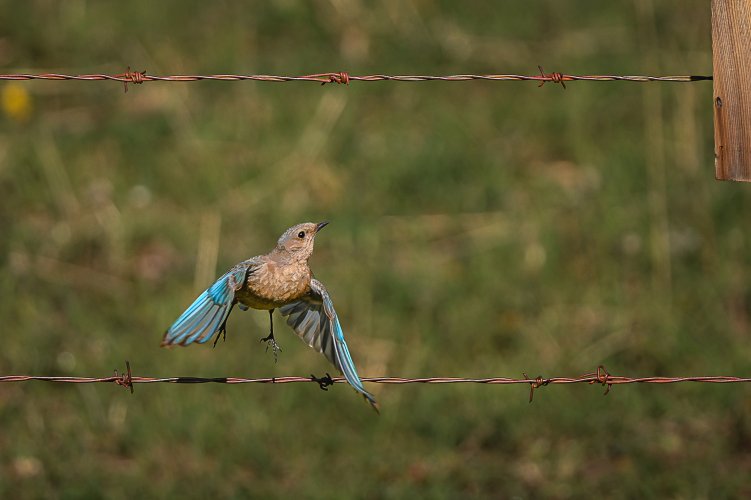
126,379
539,381
342,77
601,376
136,77
552,77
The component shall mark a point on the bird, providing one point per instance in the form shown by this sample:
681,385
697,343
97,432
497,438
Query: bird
280,279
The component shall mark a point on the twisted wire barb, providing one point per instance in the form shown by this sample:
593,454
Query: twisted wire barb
139,77
601,376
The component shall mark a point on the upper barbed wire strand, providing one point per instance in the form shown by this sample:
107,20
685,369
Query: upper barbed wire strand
140,77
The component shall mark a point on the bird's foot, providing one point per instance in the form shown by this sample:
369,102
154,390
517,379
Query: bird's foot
222,333
271,342
323,382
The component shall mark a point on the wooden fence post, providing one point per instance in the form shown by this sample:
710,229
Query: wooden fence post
731,68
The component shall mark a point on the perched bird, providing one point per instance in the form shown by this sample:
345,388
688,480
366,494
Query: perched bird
280,280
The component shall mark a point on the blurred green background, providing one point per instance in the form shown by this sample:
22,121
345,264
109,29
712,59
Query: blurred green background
477,229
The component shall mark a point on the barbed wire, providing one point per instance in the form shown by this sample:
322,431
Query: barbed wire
601,376
139,77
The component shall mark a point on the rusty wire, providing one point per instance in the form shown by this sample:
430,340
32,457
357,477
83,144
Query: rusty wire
601,377
139,77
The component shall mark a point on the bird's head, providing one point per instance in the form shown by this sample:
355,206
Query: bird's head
297,242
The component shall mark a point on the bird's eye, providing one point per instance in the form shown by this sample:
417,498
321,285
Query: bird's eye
301,234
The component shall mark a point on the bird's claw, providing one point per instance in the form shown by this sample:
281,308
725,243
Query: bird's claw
223,334
271,342
323,382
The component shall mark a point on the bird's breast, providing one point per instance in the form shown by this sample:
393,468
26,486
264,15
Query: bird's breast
273,285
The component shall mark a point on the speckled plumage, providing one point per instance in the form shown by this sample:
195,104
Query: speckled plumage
280,280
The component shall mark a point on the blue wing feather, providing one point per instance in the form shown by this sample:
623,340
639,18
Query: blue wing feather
189,320
208,312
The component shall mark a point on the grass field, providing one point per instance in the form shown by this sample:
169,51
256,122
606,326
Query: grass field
477,229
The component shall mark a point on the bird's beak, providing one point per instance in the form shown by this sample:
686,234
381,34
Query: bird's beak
321,225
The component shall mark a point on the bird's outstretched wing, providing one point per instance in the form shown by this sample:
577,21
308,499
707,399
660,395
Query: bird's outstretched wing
208,313
314,320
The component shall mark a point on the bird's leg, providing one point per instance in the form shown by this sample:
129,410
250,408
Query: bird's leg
270,340
323,382
221,333
223,329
